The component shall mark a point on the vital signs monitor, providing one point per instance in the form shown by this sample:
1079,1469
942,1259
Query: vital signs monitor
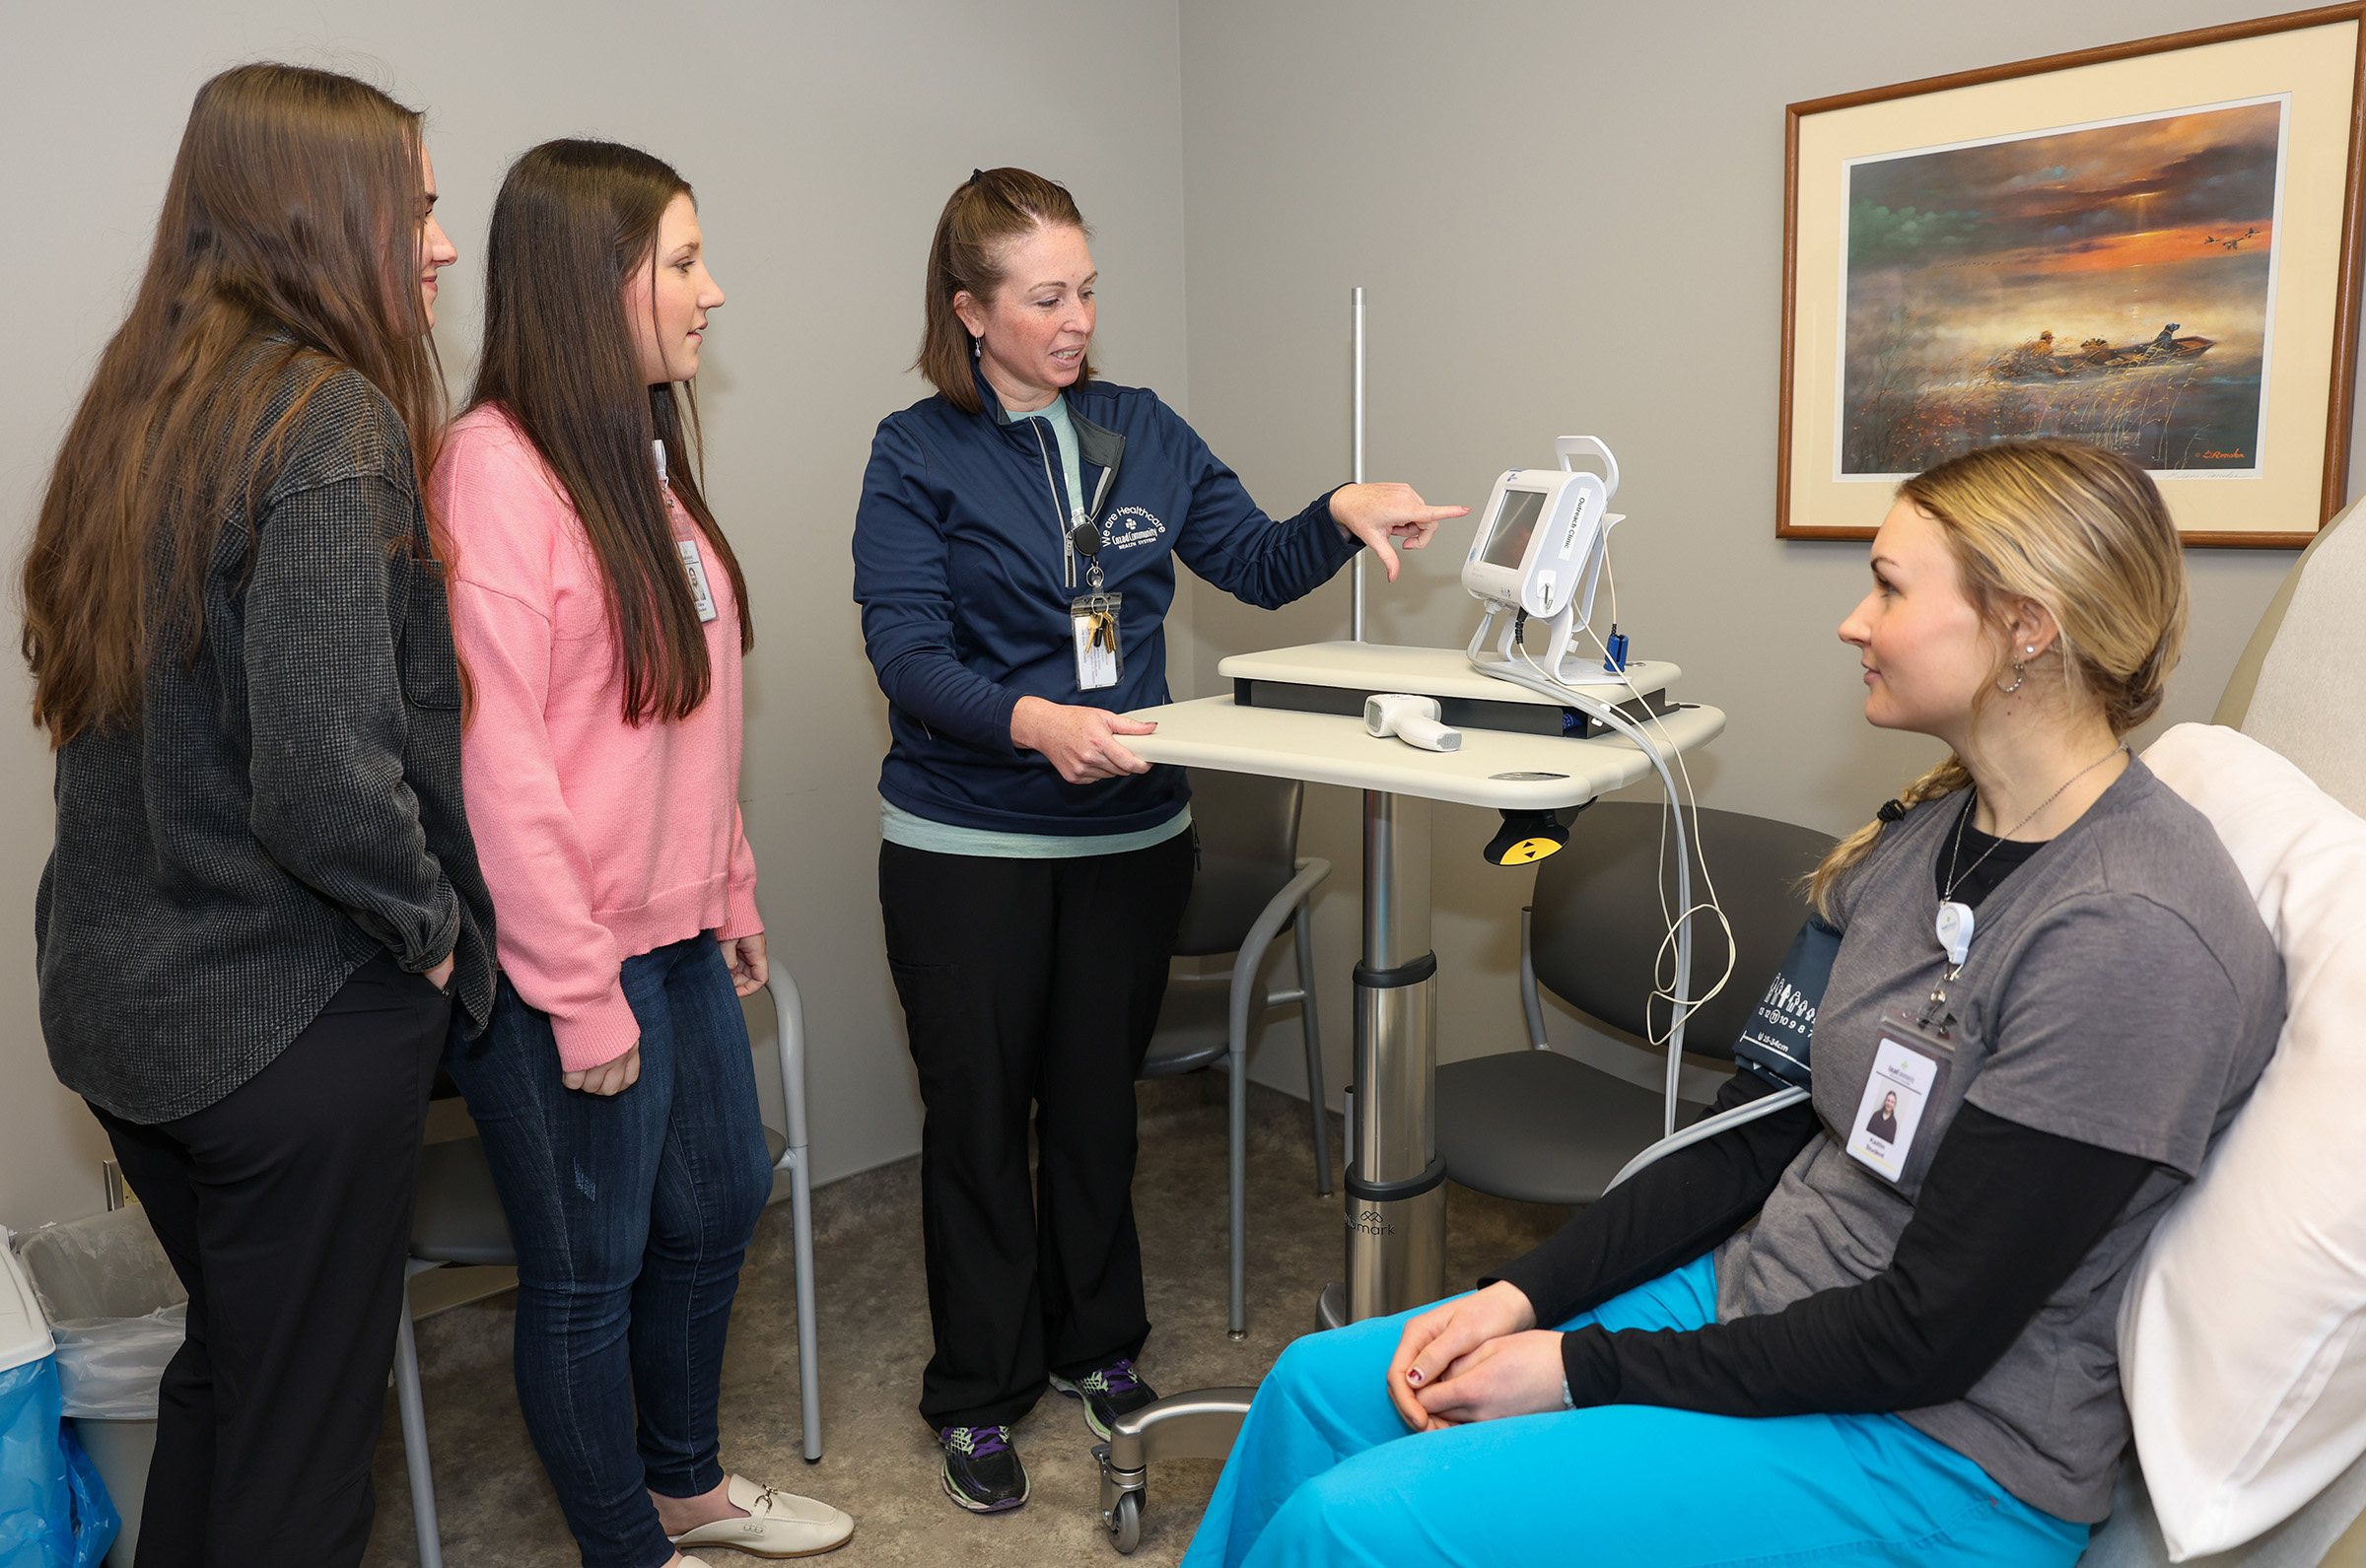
1538,552
1542,533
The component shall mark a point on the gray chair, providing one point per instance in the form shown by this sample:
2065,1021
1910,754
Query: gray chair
1250,887
457,1219
1543,1128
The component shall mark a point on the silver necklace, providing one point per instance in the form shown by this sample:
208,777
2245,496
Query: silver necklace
1955,923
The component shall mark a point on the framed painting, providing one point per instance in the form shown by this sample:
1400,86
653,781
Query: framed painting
2152,246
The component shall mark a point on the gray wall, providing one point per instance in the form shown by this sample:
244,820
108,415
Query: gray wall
822,139
1435,154
1568,219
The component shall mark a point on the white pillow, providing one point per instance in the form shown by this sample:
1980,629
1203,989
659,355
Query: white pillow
2242,1336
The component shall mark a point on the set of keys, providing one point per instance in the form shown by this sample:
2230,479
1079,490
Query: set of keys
1092,616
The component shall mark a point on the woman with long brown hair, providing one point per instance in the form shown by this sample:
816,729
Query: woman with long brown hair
264,901
1891,1343
602,615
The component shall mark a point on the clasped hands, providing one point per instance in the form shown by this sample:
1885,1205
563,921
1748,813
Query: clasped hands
1477,1358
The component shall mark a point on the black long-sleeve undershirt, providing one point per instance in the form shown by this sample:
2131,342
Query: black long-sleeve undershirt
1669,1212
2004,1216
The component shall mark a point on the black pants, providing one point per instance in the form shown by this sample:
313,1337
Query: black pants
286,1209
1029,984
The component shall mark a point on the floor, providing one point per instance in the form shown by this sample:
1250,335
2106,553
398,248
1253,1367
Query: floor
879,1461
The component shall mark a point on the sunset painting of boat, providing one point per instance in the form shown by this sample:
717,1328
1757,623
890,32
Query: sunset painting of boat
2110,283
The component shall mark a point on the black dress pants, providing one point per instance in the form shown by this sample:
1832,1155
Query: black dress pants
1029,985
286,1209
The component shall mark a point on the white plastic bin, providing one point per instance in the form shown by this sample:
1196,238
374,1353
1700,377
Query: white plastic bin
28,1417
118,1311
24,1332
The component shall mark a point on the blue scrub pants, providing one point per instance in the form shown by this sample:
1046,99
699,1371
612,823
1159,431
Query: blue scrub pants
1325,1472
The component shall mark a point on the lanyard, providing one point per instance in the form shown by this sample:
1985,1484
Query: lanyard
1077,533
1955,922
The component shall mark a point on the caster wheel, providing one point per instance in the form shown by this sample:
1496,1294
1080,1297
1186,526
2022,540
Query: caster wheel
1125,1525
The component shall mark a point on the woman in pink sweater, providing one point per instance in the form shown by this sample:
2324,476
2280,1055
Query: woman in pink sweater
601,618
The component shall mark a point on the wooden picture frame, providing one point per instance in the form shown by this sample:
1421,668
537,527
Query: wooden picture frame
2203,183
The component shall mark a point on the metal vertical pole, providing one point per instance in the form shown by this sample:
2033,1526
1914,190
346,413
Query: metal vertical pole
1396,1184
1356,614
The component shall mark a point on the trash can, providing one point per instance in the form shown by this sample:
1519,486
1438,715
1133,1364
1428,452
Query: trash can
118,1313
53,1511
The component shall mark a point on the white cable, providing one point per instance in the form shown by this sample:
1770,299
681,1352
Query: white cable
1610,572
1714,904
1678,927
1742,1115
1709,1127
1537,680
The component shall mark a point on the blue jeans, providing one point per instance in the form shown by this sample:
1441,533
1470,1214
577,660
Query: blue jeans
1325,1472
631,1214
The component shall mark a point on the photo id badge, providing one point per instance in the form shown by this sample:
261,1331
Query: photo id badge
697,569
1093,621
1909,1069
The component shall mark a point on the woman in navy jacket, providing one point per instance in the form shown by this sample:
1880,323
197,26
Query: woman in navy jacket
1016,530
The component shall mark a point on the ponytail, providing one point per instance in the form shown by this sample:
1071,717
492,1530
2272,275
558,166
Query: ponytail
1946,778
984,215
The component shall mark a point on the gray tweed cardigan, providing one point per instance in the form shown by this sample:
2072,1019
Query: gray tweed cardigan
289,804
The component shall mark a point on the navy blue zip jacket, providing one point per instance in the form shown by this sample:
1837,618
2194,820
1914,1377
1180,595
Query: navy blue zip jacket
960,569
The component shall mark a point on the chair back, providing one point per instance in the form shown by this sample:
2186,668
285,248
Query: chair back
1248,829
1596,929
2295,689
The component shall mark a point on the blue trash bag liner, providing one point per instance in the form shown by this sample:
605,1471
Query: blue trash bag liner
54,1511
95,1522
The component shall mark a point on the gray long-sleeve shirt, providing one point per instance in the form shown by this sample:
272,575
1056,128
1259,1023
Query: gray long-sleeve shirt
288,804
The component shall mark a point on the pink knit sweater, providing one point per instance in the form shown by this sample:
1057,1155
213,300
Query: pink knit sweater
600,839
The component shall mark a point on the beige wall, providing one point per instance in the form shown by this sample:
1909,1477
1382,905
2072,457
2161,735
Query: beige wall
822,138
1569,219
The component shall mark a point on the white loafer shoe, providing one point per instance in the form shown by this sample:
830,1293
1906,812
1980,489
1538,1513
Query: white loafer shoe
778,1524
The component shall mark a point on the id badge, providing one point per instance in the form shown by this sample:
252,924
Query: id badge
1911,1065
696,567
1092,623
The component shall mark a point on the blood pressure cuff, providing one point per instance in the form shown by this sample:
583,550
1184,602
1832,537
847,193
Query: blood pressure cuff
1774,1043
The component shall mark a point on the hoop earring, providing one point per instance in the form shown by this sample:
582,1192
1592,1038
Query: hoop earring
2020,674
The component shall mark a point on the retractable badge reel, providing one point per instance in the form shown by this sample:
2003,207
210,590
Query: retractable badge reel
1093,619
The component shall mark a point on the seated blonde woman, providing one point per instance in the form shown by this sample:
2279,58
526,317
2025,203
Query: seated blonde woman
1910,1355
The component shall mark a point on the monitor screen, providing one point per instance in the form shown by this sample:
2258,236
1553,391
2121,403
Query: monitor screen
1515,520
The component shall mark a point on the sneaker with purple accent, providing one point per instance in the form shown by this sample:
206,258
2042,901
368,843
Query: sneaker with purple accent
982,1471
1110,1393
